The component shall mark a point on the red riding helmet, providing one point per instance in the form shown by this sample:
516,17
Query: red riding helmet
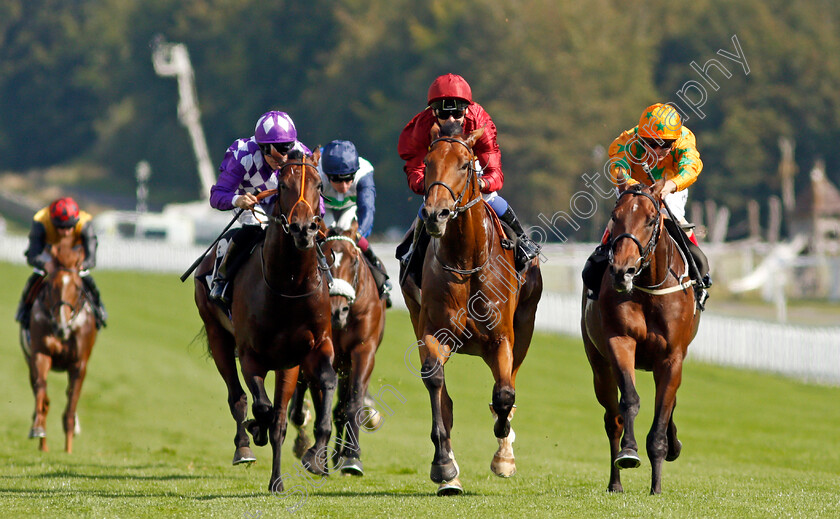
450,86
64,212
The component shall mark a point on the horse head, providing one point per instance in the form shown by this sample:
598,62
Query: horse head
346,265
450,176
298,204
61,297
636,226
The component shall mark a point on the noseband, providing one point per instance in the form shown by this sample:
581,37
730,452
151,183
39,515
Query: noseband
471,171
644,252
336,290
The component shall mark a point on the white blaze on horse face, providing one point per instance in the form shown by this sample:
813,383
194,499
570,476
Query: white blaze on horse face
66,311
338,257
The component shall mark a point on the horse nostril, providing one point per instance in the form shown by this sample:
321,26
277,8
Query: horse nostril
313,227
424,213
295,227
443,215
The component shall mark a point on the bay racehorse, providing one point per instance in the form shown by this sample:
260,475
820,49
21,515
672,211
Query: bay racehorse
62,332
280,322
471,300
358,324
644,318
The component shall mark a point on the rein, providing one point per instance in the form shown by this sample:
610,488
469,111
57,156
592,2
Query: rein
282,220
55,309
644,252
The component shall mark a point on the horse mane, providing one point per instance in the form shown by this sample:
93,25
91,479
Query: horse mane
451,129
296,155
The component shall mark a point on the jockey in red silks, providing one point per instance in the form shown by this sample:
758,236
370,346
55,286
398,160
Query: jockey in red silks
49,225
450,99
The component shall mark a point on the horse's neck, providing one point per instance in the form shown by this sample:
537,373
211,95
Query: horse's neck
285,264
467,232
664,255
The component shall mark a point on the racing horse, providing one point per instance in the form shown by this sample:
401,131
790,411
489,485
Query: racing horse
279,321
644,318
471,299
358,325
62,332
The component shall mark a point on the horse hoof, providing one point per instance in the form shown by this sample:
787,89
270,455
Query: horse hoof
314,464
450,488
302,444
443,473
352,467
243,455
627,459
37,432
504,467
675,452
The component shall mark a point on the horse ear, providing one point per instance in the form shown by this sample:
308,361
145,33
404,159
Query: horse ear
317,155
434,133
354,226
474,136
656,188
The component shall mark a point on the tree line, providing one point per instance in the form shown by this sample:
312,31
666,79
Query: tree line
560,79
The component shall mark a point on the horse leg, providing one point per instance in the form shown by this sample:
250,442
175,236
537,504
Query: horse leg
285,382
674,445
361,368
74,389
300,416
340,417
667,376
444,469
39,368
317,366
623,350
254,374
607,395
504,396
222,347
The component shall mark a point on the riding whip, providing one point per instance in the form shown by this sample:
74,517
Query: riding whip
197,262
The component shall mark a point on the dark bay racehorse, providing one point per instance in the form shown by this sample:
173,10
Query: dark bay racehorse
644,318
280,322
62,332
358,324
471,300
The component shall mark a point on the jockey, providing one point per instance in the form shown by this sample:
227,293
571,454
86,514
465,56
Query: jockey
247,169
659,147
49,225
450,98
349,194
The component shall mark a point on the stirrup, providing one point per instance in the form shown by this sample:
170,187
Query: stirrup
701,297
218,292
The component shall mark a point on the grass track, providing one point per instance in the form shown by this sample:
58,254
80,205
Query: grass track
157,438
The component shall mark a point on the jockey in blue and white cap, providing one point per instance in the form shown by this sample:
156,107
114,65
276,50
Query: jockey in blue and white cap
247,169
349,193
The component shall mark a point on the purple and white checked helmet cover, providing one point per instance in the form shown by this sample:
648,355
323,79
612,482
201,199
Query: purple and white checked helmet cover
275,127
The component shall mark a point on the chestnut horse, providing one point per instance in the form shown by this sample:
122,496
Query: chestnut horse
358,324
644,318
62,332
471,299
280,314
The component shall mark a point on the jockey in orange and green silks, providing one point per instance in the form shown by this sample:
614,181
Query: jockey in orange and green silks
662,145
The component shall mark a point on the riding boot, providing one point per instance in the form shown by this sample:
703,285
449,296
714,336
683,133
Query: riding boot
380,275
526,248
96,301
24,309
593,270
218,289
418,229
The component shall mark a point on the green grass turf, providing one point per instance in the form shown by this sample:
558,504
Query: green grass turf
157,438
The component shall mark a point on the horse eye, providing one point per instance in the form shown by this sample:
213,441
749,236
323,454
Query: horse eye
466,165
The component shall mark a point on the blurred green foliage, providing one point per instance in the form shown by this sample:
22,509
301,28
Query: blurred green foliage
77,85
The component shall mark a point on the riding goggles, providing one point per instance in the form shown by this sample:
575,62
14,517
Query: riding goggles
446,108
657,143
342,178
283,148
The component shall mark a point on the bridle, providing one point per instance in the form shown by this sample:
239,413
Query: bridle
55,309
458,209
645,253
283,220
